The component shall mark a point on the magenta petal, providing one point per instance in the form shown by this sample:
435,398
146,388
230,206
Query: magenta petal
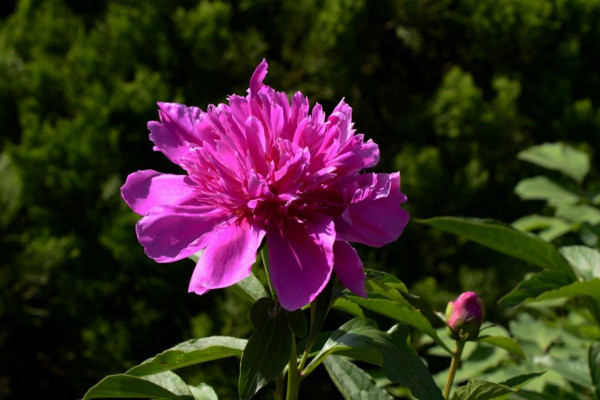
228,257
176,131
301,259
349,268
256,81
146,189
172,233
378,218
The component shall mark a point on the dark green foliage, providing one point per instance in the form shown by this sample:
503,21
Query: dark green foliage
451,91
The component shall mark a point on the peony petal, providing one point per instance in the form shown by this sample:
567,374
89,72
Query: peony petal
144,190
228,257
176,130
349,268
172,233
375,220
256,81
301,258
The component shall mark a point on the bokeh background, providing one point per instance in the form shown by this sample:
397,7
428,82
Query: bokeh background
451,90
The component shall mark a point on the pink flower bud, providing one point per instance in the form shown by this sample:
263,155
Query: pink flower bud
464,316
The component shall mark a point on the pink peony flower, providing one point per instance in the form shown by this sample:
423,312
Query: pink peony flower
465,316
260,167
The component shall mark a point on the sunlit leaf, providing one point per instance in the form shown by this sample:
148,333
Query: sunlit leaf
481,390
401,311
361,339
505,239
165,385
189,353
353,382
594,365
547,228
203,392
573,370
533,286
579,213
505,343
250,288
558,157
542,188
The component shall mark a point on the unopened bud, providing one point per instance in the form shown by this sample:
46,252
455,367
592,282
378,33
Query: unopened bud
464,316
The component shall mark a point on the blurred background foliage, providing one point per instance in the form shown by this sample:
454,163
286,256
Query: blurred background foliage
451,90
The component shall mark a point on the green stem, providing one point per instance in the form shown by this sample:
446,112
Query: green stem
279,388
460,345
264,254
293,384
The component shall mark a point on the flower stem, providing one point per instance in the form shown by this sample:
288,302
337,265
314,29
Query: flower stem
293,384
460,345
264,254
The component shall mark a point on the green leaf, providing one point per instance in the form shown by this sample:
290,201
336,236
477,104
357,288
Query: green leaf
265,356
391,350
318,311
203,392
165,385
384,284
196,256
353,382
401,311
547,228
297,323
573,370
262,310
346,305
189,353
542,188
505,239
579,213
594,365
531,395
533,286
519,381
250,288
586,288
481,390
558,157
505,343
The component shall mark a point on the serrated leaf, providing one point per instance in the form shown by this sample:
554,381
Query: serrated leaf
542,188
400,311
533,286
558,157
594,365
353,382
190,353
165,385
573,370
547,228
265,356
399,362
505,239
481,390
506,343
